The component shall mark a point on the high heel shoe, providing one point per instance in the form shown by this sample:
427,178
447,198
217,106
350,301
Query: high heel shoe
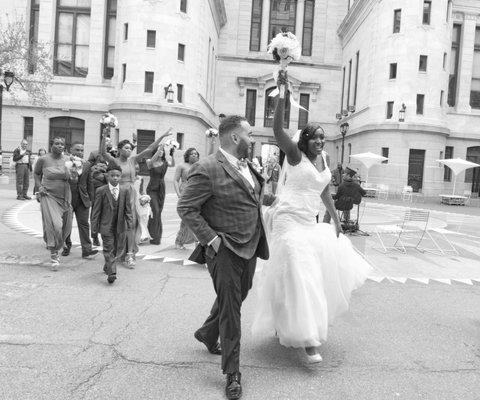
314,358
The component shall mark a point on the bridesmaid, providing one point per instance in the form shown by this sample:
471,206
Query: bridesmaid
127,161
51,175
158,166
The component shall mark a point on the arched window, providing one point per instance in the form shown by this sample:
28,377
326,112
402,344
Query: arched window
270,110
71,129
472,175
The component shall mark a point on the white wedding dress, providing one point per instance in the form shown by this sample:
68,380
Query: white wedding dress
311,273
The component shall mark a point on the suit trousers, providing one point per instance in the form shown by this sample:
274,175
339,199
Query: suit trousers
82,216
232,279
22,177
109,243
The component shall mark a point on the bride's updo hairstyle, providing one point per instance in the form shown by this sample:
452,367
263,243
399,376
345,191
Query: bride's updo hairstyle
307,134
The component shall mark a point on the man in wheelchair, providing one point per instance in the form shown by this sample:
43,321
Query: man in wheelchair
349,193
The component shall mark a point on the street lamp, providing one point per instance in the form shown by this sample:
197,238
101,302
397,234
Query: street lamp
343,130
401,113
8,78
169,93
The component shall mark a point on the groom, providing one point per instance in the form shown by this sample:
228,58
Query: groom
221,204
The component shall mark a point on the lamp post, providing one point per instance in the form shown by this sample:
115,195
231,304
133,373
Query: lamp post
8,78
343,130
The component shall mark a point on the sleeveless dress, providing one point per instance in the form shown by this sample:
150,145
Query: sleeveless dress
311,273
184,235
56,206
156,191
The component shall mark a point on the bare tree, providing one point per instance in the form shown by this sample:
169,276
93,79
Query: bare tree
30,61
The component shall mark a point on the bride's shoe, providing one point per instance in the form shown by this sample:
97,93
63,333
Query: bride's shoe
313,358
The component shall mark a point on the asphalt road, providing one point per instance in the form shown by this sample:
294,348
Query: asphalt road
68,335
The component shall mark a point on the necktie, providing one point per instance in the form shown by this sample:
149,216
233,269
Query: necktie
241,163
115,193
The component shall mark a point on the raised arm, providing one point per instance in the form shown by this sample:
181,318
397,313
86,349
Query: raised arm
151,148
103,151
154,158
286,144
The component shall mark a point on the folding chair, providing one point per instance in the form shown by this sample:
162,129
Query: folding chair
413,228
407,193
468,195
454,223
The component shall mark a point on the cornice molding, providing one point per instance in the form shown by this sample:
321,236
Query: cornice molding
334,67
219,14
355,17
400,127
263,81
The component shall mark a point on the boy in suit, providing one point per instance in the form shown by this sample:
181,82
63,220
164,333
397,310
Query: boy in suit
111,215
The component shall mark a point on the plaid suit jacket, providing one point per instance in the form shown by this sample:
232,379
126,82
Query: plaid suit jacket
216,200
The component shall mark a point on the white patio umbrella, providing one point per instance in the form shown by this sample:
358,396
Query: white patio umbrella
457,165
368,159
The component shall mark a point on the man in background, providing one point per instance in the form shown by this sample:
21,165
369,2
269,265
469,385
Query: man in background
21,157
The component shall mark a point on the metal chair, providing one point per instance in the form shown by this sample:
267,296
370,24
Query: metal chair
382,191
468,195
413,228
407,193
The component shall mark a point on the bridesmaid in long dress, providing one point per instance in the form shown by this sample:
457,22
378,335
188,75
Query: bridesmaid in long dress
128,162
157,167
51,176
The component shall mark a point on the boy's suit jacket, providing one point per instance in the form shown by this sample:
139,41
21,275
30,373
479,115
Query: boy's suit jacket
102,213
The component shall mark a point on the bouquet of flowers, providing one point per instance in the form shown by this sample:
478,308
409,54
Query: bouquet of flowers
74,164
211,133
170,142
284,48
109,120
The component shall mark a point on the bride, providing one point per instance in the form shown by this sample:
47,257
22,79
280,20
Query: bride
313,268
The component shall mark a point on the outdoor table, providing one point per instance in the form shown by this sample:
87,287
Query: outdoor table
370,192
452,199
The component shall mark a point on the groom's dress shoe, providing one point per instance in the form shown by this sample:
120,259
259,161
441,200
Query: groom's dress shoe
215,349
233,390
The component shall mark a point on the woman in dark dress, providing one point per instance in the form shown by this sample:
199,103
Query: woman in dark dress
158,166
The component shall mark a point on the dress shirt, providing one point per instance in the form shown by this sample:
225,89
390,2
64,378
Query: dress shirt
244,171
24,159
114,190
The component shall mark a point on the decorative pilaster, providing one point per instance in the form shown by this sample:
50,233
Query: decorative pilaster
299,20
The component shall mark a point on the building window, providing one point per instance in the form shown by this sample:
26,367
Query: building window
28,130
475,87
179,93
308,28
356,79
180,140
151,38
427,8
447,172
389,109
420,103
444,61
422,64
349,151
33,33
397,18
149,81
69,128
183,6
282,16
251,106
270,110
110,28
256,25
349,82
454,56
181,52
385,151
72,38
125,31
393,70
124,72
449,9
302,114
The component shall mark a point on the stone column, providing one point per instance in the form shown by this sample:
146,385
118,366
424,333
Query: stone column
299,20
97,38
465,64
264,39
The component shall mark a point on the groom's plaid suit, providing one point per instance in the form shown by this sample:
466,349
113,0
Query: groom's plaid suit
217,200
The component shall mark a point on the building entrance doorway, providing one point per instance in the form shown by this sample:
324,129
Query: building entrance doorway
473,175
416,163
144,139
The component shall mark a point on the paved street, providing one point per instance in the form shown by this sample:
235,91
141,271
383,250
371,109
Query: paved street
413,330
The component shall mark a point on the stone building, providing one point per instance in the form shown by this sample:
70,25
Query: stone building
411,73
